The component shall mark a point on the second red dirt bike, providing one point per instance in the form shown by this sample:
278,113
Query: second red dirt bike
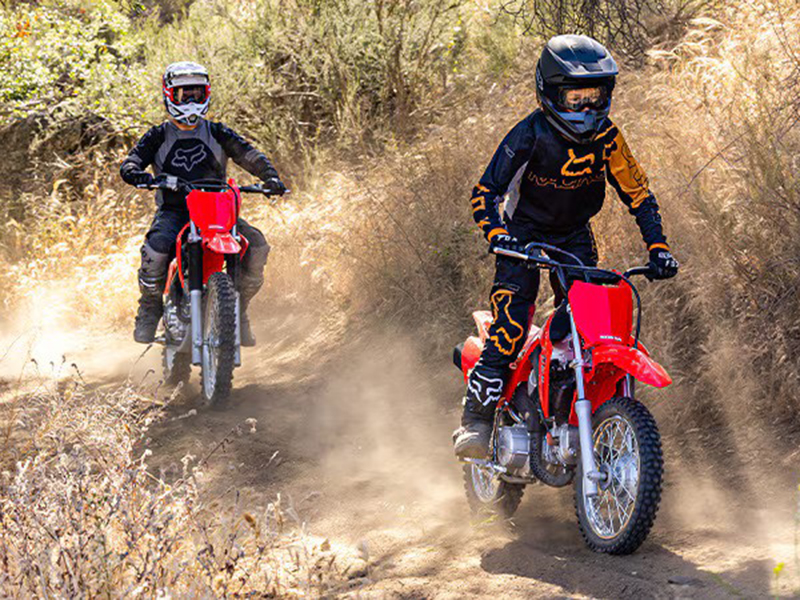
201,300
568,412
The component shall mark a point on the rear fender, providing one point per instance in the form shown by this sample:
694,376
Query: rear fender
470,353
483,320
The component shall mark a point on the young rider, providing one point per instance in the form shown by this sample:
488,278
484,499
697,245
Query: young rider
552,169
191,148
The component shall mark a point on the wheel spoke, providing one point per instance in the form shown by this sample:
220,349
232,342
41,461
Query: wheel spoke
616,450
485,484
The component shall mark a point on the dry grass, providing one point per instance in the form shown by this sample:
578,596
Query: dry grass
714,120
83,514
390,240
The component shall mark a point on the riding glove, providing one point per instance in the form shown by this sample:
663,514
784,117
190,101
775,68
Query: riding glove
506,242
171,182
141,178
274,185
662,264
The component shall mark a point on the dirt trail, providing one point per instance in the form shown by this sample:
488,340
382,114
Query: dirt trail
364,456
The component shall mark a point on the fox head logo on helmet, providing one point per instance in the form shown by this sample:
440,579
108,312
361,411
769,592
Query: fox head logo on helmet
187,158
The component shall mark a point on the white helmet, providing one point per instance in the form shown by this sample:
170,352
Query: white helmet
186,91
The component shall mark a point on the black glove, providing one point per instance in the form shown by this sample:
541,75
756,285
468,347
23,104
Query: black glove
662,264
274,186
142,178
170,180
506,242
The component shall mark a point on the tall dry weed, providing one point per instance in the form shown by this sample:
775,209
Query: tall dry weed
715,118
83,514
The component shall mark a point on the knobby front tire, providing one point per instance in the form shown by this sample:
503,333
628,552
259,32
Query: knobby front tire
219,339
627,445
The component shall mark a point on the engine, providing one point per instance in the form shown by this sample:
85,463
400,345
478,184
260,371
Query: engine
564,449
514,448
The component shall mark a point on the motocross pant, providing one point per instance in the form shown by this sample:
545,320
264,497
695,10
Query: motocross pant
513,300
159,248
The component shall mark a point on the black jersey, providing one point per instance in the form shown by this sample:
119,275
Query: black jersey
199,153
552,185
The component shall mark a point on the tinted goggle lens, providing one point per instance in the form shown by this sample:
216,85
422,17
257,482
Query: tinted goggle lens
578,99
190,94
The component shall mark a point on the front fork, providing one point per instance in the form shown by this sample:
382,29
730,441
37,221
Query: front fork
583,410
196,293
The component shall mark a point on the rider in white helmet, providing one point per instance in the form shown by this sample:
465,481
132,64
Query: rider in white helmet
191,148
187,91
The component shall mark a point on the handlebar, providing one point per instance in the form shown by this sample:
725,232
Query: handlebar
645,270
209,185
534,254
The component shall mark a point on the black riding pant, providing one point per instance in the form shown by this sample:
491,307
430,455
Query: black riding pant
513,300
159,248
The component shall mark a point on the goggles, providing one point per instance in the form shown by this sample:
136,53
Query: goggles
576,100
189,94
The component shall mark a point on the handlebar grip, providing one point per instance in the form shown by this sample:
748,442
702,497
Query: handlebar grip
510,253
254,189
537,260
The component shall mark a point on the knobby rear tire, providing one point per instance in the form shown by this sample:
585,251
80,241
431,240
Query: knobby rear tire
180,371
503,503
219,324
648,490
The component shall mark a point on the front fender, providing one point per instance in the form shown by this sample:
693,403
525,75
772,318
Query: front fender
632,361
222,243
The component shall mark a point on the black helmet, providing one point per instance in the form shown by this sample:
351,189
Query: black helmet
576,72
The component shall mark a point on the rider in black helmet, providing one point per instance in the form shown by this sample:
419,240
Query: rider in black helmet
551,170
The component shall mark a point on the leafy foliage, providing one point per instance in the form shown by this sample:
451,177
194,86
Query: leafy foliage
53,51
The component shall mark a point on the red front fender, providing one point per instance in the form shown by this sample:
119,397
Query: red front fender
633,361
221,242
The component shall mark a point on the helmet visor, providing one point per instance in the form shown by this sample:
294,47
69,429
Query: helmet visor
579,99
190,94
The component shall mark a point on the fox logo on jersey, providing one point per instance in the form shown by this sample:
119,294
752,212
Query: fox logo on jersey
187,158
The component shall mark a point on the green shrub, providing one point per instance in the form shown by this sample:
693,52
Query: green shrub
63,49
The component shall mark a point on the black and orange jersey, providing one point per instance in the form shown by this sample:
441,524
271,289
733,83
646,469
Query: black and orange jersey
555,186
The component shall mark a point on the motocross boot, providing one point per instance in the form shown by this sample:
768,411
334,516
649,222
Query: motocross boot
147,318
484,387
248,338
151,307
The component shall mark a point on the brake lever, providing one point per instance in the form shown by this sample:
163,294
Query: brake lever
645,270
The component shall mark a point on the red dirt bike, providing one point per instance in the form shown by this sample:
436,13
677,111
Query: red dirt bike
201,298
568,411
